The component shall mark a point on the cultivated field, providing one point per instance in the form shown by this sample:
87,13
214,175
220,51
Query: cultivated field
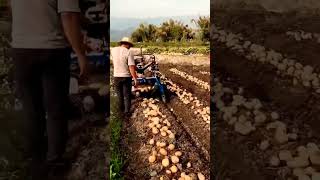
172,140
266,93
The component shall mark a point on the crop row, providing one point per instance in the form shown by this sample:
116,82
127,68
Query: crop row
291,68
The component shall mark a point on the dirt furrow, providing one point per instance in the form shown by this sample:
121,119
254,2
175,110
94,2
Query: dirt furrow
136,141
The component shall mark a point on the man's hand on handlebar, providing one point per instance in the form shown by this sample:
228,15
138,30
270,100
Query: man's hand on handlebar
135,82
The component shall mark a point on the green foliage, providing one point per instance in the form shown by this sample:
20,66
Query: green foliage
203,23
166,44
117,161
169,31
173,31
181,50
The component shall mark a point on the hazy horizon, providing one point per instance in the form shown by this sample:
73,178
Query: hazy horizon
154,17
154,9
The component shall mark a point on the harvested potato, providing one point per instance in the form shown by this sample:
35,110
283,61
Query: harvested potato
163,144
163,134
154,153
193,176
171,147
152,159
189,165
174,169
155,130
163,152
174,159
165,162
151,125
168,171
178,153
151,141
274,161
201,176
158,126
171,136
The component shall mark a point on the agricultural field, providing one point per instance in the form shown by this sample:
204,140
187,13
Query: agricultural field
171,140
266,95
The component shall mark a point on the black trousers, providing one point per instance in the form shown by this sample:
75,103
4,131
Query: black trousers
123,90
42,79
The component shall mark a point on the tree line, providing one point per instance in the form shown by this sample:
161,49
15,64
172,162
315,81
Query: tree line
173,31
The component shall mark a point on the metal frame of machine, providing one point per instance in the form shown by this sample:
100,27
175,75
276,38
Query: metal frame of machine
152,81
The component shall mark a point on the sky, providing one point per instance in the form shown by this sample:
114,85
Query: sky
158,8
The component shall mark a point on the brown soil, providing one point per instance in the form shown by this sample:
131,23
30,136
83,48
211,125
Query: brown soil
191,87
240,156
88,145
135,138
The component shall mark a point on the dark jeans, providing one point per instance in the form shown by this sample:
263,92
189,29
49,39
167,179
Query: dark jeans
42,77
123,89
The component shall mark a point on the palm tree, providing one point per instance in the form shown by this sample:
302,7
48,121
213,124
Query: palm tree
203,23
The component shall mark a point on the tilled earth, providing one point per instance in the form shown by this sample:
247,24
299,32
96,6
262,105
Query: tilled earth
237,156
136,143
192,133
89,133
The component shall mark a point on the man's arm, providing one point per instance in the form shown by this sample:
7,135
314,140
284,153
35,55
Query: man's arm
132,65
133,73
72,29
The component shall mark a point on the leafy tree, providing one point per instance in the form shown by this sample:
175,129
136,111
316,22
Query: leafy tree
203,23
171,31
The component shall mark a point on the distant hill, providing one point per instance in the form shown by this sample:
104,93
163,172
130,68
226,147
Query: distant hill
120,27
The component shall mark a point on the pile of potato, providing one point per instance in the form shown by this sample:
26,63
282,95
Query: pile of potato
185,75
188,99
300,74
246,115
205,72
164,150
302,162
302,35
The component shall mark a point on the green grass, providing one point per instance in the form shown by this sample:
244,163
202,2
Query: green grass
167,44
117,161
185,48
180,50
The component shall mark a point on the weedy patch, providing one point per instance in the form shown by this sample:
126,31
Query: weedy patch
117,161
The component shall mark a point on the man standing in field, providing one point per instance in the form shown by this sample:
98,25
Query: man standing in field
41,33
124,68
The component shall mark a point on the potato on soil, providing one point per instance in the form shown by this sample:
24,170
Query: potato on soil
178,153
171,147
155,130
165,162
151,141
174,159
174,169
163,152
152,159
